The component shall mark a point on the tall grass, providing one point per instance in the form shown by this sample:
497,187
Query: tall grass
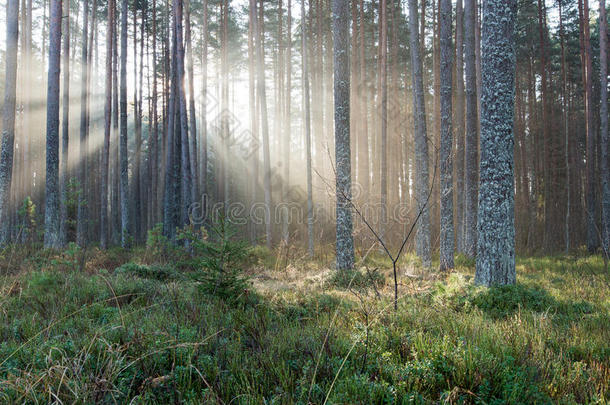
124,330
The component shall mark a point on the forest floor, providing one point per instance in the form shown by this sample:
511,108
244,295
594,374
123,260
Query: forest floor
127,327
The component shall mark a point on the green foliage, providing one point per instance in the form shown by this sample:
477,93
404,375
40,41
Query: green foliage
157,245
130,336
218,259
27,216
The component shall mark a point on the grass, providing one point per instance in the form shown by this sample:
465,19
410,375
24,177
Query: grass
127,327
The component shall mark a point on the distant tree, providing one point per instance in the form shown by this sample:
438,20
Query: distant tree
8,118
591,175
82,211
262,98
51,224
286,138
307,130
383,84
446,157
341,41
191,103
605,142
421,140
495,262
123,151
65,131
104,231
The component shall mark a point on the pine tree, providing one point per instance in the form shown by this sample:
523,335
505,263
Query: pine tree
341,35
471,175
421,141
65,131
446,158
104,230
51,224
605,170
496,229
307,130
8,118
123,158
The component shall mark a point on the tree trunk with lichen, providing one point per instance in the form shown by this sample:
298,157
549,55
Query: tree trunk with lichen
446,156
495,264
422,181
345,241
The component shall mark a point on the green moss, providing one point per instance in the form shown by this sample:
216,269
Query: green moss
133,336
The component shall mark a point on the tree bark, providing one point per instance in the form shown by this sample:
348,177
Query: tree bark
422,182
591,199
82,212
307,130
472,142
605,170
191,104
383,73
495,262
459,126
104,231
65,137
8,118
51,223
123,151
345,241
446,158
262,96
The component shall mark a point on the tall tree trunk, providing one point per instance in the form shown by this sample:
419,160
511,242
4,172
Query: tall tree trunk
204,121
136,202
546,141
591,198
422,182
471,175
82,213
262,96
114,142
154,155
459,126
287,121
605,170
65,131
496,240
363,147
186,187
51,223
104,233
123,151
255,143
171,176
564,99
191,105
8,118
446,67
307,129
345,240
383,74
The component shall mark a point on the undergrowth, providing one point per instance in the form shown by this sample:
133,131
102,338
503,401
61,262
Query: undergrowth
138,327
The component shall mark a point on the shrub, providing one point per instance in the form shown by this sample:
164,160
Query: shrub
218,259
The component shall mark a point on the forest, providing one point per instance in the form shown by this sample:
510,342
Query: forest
304,201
